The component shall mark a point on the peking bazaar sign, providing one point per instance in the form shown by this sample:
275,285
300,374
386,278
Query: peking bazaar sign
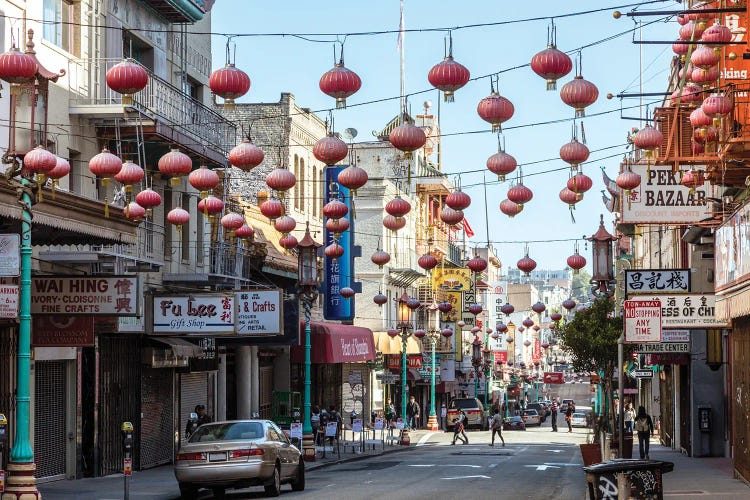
661,199
77,295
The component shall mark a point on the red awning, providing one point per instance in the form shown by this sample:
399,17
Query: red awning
335,343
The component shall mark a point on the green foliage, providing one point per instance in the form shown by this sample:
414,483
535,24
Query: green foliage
580,285
591,337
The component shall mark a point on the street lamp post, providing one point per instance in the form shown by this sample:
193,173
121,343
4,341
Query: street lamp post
487,370
404,308
432,423
308,282
476,362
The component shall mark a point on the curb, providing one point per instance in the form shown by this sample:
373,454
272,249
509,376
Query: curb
362,456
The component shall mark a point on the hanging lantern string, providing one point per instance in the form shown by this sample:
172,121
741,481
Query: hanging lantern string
583,134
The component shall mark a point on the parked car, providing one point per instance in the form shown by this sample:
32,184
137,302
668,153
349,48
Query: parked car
540,409
238,454
531,417
514,423
474,412
579,420
565,402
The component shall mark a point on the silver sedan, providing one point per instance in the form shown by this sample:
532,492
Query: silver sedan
238,454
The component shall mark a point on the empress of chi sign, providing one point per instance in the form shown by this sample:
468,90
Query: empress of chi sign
642,320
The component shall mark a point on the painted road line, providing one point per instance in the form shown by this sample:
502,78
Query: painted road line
424,438
479,476
554,451
543,466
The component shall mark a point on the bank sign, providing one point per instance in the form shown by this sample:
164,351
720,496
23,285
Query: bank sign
661,199
338,273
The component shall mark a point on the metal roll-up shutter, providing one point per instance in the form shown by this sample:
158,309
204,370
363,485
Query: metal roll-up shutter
157,425
194,391
49,418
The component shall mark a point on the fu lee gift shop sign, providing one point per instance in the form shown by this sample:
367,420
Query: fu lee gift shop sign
250,312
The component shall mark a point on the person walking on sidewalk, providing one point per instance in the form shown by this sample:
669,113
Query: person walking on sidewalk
644,426
496,426
458,427
553,416
569,416
412,413
629,417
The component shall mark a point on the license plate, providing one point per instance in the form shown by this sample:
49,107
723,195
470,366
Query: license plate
217,457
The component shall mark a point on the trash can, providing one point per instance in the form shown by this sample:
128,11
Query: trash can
627,445
627,478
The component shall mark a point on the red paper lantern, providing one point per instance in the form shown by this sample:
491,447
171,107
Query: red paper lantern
495,110
551,64
574,153
39,161
704,57
380,258
716,35
475,309
394,223
446,332
245,232
502,327
458,200
705,76
285,224
448,75
407,138
398,207
450,216
337,226
231,222
628,180
104,165
690,94
698,118
501,164
380,299
17,67
129,174
334,250
570,197
392,333
134,211
413,303
705,135
330,149
526,264
127,78
520,194
649,139
476,264
510,208
427,262
246,156
576,262
717,106
175,164
335,209
580,183
347,292
340,83
281,179
555,316
691,31
528,322
569,304
445,307
538,308
579,94
204,180
229,83
272,208
211,205
62,168
507,309
288,241
353,177
178,217
681,49
692,179
149,199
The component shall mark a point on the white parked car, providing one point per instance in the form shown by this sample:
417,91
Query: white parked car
578,420
531,417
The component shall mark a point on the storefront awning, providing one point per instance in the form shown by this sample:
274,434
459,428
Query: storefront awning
181,348
387,345
335,343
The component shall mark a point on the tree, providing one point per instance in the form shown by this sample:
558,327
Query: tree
591,339
580,286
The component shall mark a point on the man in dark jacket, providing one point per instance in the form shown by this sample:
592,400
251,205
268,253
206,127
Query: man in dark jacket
553,415
412,413
194,423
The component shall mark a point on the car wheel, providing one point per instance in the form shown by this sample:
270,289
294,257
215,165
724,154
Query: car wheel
273,487
188,491
218,492
298,484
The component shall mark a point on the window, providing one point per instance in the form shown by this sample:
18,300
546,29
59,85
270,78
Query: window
138,49
185,230
301,183
168,239
62,24
315,191
297,186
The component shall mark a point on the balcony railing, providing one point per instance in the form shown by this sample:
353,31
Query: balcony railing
148,248
160,101
228,260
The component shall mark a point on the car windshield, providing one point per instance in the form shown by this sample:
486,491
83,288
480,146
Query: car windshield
579,415
227,431
530,412
515,419
463,403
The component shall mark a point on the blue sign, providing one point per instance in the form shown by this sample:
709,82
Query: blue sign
338,273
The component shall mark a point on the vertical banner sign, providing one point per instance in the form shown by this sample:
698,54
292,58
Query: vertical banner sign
337,273
536,353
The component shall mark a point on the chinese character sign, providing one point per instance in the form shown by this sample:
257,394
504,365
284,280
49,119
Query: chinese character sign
338,273
657,280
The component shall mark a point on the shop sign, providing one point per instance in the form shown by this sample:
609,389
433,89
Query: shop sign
501,357
675,335
62,331
427,368
554,378
668,359
732,249
455,299
642,320
657,280
692,310
9,301
412,361
10,254
452,279
536,353
387,377
661,199
338,273
194,314
110,295
675,347
259,312
470,296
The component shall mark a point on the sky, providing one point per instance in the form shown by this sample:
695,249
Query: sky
286,63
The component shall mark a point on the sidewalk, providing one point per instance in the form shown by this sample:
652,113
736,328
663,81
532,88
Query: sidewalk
698,477
159,483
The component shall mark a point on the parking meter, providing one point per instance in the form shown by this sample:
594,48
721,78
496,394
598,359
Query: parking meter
127,448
